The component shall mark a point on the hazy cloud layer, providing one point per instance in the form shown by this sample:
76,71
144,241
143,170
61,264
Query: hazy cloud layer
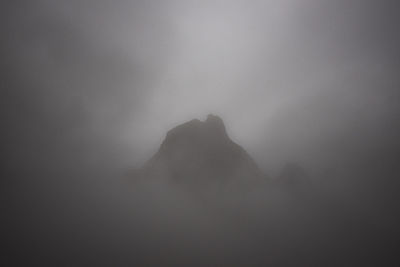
132,69
89,89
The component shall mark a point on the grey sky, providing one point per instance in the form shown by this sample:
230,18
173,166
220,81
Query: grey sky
282,74
90,88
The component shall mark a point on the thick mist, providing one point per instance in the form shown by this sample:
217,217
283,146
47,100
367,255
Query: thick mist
90,89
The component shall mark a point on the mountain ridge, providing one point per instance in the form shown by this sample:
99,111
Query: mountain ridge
202,152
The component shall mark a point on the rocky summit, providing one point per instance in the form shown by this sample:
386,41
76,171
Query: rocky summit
201,152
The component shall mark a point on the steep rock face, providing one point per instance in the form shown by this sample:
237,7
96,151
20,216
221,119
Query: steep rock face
202,152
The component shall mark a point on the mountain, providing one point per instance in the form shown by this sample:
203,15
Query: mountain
201,153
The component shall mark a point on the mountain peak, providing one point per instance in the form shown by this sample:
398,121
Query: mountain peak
215,120
216,124
198,151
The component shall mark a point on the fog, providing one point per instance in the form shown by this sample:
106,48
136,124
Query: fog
91,88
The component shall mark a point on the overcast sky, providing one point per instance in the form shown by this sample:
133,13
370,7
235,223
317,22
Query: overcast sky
285,75
90,88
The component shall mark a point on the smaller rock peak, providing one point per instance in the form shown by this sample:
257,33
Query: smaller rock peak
216,123
211,117
214,119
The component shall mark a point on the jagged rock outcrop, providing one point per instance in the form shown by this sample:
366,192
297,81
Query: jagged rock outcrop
201,152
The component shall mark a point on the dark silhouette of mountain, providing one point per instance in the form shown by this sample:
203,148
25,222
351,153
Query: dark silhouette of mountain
201,152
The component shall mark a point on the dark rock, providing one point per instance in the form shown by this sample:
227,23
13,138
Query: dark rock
198,152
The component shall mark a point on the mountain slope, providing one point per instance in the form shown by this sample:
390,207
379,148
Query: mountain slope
198,152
